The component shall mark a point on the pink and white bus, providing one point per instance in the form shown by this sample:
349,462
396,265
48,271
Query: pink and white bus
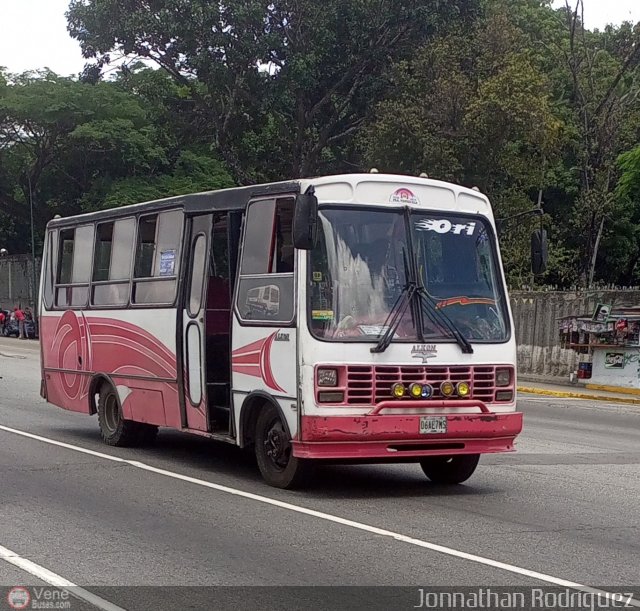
354,318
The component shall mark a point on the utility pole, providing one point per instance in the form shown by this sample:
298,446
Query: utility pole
34,274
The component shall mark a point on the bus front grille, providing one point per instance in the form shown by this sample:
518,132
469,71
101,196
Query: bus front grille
370,385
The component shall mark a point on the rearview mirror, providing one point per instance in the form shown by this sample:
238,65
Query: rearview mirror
539,251
305,221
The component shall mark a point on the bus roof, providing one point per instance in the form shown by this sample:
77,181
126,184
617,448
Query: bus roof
339,188
194,203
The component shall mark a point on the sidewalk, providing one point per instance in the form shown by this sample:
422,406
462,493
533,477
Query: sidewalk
574,391
10,346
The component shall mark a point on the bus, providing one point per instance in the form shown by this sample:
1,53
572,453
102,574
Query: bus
358,318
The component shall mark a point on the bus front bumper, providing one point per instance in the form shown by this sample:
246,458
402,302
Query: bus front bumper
398,438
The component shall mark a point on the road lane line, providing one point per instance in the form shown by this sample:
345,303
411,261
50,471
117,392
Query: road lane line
332,518
55,580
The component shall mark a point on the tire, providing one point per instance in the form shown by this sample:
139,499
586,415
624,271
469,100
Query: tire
114,429
278,466
450,469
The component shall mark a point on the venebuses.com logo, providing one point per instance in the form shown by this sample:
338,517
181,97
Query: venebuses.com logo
18,598
39,597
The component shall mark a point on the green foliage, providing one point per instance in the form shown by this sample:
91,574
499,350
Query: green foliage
71,146
192,173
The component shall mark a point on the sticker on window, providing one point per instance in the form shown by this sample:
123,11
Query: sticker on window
168,262
373,329
317,276
446,226
322,314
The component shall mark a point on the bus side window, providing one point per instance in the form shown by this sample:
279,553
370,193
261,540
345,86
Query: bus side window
157,259
74,266
65,265
265,289
284,252
112,262
50,268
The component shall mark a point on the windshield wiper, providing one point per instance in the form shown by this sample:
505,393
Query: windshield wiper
396,314
438,317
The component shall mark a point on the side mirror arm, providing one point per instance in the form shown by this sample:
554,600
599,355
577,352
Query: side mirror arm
500,223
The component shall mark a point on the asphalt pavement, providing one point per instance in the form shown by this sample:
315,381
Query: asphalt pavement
192,512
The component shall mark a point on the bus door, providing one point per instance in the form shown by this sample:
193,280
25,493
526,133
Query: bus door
263,354
193,325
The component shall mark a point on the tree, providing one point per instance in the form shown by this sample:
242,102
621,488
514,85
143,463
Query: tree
72,146
282,84
472,107
602,93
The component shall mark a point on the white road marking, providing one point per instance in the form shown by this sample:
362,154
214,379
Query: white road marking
511,568
55,580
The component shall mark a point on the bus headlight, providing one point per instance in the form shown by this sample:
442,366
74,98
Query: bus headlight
503,377
463,389
398,390
327,377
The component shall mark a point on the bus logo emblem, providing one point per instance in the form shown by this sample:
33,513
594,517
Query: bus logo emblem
424,352
404,196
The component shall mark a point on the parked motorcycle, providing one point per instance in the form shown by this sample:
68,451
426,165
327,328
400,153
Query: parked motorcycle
12,329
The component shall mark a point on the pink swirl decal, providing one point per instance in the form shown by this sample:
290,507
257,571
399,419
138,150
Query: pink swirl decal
71,351
254,360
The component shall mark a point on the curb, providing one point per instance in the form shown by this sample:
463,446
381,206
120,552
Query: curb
577,395
618,389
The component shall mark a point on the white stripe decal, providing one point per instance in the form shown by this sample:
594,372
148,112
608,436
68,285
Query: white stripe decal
511,568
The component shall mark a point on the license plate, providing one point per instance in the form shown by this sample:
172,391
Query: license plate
433,425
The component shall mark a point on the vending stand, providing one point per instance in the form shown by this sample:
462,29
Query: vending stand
608,345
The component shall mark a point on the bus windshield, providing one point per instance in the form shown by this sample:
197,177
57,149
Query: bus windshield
360,265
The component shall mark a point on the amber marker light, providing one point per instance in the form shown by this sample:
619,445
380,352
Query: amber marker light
463,388
398,390
447,389
415,390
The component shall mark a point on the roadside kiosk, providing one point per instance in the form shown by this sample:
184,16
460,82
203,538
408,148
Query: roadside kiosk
608,345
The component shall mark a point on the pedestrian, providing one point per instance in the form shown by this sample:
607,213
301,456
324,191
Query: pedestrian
3,319
20,317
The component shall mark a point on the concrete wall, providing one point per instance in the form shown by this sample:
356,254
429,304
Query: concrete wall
536,314
16,281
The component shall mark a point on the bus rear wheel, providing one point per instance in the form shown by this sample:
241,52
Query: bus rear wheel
450,469
114,429
274,452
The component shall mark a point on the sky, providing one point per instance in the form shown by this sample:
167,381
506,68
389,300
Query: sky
33,33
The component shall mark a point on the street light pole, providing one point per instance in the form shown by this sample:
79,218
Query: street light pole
33,251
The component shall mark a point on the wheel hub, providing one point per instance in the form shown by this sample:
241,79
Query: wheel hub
277,446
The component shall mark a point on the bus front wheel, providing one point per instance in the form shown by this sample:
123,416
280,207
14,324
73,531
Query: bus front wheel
274,454
450,469
114,429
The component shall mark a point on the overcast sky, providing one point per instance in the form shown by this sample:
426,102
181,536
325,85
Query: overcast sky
33,33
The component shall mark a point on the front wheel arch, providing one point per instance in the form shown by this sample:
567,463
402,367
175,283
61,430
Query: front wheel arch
249,413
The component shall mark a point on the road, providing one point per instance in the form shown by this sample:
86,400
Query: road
181,513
